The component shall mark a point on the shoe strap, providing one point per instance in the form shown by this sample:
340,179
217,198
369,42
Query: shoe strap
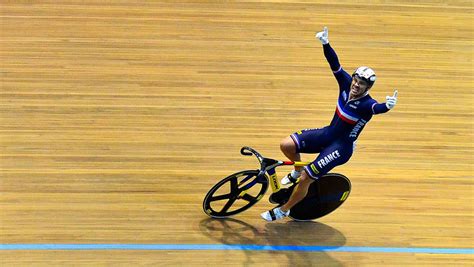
291,178
272,214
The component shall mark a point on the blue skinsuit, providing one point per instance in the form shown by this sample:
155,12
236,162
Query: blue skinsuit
335,142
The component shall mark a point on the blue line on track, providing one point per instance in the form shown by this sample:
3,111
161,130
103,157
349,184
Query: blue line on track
233,247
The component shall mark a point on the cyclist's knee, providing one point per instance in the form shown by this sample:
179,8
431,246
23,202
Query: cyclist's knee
305,179
288,145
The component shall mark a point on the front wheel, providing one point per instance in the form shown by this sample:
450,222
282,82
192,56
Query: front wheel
235,193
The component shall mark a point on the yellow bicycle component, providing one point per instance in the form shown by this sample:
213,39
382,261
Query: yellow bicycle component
344,196
301,163
274,183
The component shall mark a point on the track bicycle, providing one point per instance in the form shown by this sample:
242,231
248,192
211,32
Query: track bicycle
240,191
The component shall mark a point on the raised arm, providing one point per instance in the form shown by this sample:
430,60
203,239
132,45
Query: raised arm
343,78
329,53
332,58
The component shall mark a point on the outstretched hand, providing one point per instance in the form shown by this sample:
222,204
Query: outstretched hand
323,36
392,100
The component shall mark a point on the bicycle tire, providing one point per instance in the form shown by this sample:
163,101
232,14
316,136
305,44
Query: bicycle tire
239,190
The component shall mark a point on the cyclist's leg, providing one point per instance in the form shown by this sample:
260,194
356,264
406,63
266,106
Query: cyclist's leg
331,156
334,155
299,192
305,141
288,147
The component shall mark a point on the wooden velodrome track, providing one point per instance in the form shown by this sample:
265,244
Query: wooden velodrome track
117,118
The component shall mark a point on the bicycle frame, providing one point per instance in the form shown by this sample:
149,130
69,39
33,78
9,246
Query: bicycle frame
269,166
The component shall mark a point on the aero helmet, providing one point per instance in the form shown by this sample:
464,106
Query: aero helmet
365,73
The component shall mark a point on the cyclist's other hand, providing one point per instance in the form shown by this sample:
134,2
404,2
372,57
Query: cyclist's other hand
392,100
323,36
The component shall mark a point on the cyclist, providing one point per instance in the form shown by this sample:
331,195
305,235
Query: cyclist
334,143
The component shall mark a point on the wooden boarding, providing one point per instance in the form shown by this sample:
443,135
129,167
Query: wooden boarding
117,118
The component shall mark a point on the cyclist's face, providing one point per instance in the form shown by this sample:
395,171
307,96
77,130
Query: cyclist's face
358,86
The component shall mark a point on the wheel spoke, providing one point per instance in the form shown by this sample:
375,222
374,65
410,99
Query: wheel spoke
261,180
228,204
248,197
233,184
221,197
246,179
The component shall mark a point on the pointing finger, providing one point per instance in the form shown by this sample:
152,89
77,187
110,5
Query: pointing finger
395,94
